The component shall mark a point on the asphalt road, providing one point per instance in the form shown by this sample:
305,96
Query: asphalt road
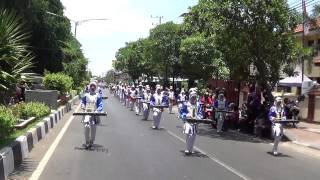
126,148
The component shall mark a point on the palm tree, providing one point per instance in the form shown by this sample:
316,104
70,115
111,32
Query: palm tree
15,57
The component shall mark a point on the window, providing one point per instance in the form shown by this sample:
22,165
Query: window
310,43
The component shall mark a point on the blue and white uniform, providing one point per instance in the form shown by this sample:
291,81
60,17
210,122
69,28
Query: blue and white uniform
220,105
189,129
277,112
157,99
91,102
145,105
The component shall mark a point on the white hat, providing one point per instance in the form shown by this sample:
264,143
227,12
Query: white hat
93,83
278,99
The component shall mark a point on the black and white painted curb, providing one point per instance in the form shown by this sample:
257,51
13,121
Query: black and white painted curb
12,155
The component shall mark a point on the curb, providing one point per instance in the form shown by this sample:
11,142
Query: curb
12,155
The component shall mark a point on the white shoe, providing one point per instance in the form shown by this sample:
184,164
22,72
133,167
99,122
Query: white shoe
275,153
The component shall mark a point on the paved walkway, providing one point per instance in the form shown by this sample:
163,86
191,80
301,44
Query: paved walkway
307,134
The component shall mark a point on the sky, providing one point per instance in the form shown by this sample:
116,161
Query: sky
128,21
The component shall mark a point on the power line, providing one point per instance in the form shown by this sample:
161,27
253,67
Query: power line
308,3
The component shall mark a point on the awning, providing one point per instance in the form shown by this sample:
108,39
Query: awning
294,81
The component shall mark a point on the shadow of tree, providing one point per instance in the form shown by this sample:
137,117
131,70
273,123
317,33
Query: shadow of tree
26,166
232,135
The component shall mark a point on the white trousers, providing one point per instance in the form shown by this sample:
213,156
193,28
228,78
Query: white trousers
156,118
138,107
220,121
277,131
145,111
190,139
170,107
90,133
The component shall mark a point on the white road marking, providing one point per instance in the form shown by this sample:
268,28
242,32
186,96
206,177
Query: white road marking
36,174
231,169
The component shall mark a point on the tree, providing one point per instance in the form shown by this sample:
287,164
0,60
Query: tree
14,55
74,62
249,32
47,31
200,58
135,59
166,40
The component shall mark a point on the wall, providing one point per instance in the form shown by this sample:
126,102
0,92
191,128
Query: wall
49,97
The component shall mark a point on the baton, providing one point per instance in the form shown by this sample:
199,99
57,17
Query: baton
90,113
165,106
204,121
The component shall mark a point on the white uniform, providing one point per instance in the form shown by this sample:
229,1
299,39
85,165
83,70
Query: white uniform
138,104
220,105
145,105
90,103
171,101
276,113
190,129
181,98
157,112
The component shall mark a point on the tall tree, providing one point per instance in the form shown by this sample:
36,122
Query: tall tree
166,40
249,32
14,55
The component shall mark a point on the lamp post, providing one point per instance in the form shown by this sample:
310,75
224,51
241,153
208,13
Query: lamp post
76,23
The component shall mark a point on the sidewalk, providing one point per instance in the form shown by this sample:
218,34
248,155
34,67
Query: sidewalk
307,134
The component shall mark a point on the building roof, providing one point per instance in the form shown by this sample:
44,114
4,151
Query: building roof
299,28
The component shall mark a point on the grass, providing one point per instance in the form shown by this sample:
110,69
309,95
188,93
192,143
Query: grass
17,133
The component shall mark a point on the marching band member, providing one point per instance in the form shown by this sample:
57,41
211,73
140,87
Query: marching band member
277,113
145,105
91,102
181,98
189,129
158,99
171,99
128,96
132,95
220,105
193,101
138,103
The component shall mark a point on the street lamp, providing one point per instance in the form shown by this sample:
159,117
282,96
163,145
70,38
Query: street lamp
76,23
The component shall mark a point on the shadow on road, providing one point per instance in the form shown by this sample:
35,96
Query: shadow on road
232,135
195,154
279,155
94,148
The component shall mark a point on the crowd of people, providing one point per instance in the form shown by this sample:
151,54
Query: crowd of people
254,116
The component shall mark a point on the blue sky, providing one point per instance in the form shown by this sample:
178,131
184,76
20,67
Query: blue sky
129,20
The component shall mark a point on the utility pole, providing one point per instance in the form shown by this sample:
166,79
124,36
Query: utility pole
157,17
303,38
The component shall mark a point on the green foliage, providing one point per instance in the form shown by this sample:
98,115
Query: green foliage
51,40
166,39
32,109
14,56
134,59
7,121
201,59
58,81
75,63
